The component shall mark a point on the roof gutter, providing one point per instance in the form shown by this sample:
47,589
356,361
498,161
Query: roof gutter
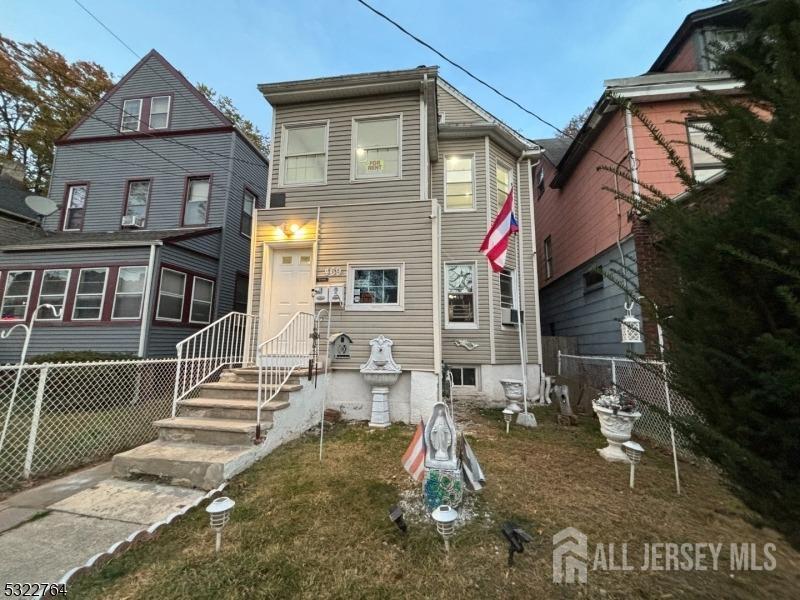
83,245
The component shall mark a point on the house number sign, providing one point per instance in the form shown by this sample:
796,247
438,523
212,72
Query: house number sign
332,271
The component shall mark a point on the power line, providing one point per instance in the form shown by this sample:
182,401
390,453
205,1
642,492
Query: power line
475,77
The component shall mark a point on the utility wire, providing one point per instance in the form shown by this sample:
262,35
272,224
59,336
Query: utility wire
476,78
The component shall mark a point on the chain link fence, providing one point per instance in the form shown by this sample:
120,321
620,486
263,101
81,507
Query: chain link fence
57,417
644,381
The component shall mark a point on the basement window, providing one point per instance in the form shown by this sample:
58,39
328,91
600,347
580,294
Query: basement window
464,376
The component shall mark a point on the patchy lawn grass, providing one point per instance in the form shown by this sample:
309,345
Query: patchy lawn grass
311,530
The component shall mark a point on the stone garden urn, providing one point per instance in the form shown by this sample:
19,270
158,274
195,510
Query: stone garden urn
513,391
616,425
380,373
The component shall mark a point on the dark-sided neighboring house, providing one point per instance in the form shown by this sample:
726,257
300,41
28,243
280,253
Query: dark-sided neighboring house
17,221
151,240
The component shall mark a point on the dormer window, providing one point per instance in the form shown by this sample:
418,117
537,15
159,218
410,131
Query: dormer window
131,115
159,112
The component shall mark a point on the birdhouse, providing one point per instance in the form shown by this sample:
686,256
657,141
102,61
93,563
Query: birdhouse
341,343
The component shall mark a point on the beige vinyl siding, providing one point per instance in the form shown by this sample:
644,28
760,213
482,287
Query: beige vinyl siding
339,187
531,296
462,233
376,233
455,111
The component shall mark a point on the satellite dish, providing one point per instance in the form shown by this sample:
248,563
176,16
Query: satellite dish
41,206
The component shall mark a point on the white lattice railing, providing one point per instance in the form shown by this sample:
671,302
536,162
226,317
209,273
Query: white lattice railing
203,354
280,356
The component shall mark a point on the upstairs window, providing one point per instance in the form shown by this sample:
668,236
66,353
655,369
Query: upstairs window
53,291
159,112
170,295
75,207
90,295
16,296
460,295
503,181
548,257
377,147
129,293
131,115
704,164
202,299
248,205
458,186
136,198
305,154
195,210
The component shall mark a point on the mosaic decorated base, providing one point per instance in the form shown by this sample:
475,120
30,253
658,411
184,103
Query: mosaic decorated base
443,487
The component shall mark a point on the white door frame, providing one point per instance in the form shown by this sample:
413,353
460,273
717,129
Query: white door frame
268,250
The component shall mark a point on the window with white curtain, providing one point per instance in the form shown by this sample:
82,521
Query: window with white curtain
304,153
75,209
459,183
195,210
377,147
159,112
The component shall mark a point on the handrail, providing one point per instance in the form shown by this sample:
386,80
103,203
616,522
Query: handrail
201,355
279,356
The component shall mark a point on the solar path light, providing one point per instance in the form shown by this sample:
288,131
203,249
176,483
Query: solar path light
634,453
445,517
220,512
396,515
508,414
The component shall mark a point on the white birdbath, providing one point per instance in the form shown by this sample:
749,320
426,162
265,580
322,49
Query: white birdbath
616,428
380,372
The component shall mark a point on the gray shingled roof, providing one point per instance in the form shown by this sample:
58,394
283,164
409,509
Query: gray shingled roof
55,240
555,148
12,200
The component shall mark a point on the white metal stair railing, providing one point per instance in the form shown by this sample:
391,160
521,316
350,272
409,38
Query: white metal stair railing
204,353
279,357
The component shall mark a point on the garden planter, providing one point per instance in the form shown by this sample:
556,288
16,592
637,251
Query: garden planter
616,428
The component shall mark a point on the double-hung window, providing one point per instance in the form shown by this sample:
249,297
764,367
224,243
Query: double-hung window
136,198
509,299
202,299
129,293
377,147
459,188
704,153
53,291
17,295
248,205
159,112
75,209
548,257
170,295
375,287
195,209
503,181
90,294
305,153
460,311
131,115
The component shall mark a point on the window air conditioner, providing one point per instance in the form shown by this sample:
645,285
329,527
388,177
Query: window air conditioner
509,316
132,221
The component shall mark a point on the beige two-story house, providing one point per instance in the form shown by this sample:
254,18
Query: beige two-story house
383,186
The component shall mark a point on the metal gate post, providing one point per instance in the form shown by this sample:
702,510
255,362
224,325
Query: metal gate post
37,411
558,370
614,374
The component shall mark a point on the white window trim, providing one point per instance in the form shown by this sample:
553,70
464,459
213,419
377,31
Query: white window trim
102,294
354,140
477,376
138,118
169,112
69,206
470,155
27,299
515,299
446,290
63,302
501,164
357,306
242,231
117,293
282,170
183,295
210,303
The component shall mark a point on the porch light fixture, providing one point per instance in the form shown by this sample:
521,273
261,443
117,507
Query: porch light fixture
631,327
220,512
508,414
290,229
445,517
396,516
634,453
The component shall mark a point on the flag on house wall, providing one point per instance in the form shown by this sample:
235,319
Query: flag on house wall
414,458
495,244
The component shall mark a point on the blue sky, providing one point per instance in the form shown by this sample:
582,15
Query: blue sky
550,55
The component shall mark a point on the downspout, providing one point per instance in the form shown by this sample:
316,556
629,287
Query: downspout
147,300
535,259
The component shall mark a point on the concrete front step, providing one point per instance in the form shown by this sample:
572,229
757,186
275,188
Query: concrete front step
250,375
223,408
242,391
217,432
191,465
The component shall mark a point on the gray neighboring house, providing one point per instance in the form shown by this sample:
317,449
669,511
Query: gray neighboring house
17,221
151,241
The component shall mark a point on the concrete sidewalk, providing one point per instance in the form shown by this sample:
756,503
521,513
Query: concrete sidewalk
49,530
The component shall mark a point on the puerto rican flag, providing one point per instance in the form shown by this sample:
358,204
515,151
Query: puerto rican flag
495,244
414,458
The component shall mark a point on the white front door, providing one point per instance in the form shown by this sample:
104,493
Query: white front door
290,288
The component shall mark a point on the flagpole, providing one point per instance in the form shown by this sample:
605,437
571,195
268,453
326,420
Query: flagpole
526,419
